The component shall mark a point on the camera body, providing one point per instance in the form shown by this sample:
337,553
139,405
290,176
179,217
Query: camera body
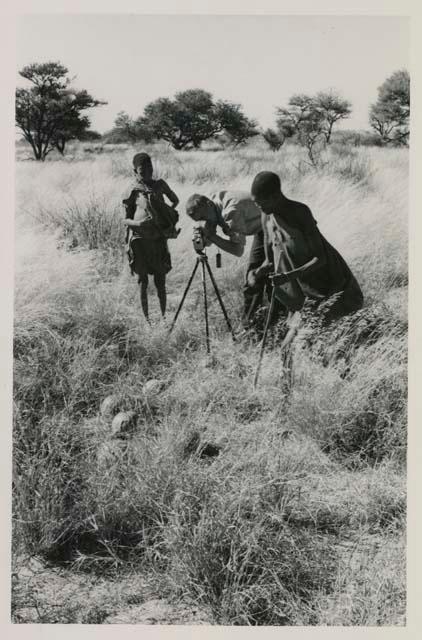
198,239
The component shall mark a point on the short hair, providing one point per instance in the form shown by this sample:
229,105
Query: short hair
265,184
140,158
195,203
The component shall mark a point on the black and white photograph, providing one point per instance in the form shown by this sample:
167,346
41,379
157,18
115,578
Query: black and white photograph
210,319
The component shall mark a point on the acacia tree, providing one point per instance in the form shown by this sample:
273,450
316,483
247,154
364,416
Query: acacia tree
303,122
309,120
311,135
73,125
127,129
234,123
389,116
125,125
193,117
324,110
49,112
71,128
332,108
273,138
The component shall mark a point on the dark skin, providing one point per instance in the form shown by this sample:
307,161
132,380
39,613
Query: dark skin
160,285
143,290
144,174
283,211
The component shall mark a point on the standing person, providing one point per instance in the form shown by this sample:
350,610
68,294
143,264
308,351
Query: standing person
235,213
296,240
150,221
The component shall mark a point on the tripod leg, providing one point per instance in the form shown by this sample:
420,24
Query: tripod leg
220,300
204,286
179,308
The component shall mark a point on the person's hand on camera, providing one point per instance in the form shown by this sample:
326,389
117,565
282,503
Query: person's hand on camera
197,233
208,233
202,231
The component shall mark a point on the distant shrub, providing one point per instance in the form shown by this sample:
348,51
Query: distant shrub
353,138
274,139
90,135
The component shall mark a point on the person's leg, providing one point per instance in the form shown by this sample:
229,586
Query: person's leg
160,285
344,302
143,285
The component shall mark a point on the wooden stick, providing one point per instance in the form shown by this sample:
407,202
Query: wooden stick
292,330
267,324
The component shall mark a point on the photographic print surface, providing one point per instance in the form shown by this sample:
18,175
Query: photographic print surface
210,320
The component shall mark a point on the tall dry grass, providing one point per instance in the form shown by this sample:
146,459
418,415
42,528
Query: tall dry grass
299,520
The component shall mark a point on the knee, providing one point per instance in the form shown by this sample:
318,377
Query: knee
251,290
160,282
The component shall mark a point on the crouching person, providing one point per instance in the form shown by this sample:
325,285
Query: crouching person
306,265
150,222
237,216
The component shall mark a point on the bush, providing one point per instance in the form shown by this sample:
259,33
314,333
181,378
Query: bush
245,562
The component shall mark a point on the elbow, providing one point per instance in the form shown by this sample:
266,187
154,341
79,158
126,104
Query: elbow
321,262
315,264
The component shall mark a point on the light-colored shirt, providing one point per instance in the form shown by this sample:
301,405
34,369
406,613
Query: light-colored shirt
239,211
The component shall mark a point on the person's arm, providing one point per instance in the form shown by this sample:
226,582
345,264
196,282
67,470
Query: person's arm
169,194
234,245
290,276
264,225
132,224
130,204
267,265
130,208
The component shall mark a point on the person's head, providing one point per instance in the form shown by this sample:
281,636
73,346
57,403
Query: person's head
199,207
142,166
266,191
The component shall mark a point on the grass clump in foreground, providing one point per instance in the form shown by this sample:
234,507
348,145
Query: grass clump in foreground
298,516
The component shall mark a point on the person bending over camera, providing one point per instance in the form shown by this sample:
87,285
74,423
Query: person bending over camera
237,216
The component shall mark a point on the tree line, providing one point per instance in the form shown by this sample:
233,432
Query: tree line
49,113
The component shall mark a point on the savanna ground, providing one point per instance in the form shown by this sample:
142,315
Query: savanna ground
300,519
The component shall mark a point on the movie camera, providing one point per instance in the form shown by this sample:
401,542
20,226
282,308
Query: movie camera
198,239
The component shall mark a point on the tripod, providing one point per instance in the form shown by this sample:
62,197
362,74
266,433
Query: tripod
202,259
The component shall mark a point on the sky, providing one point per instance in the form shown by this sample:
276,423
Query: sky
258,61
